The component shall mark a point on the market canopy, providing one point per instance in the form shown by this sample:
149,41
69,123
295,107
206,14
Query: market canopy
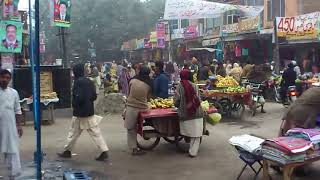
198,9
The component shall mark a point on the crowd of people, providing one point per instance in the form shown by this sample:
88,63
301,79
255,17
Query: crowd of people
138,83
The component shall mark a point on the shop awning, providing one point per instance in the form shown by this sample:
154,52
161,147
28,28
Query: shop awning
205,49
249,36
210,42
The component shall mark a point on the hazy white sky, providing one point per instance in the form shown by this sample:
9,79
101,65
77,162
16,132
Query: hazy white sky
23,4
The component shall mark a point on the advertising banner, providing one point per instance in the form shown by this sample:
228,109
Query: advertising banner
298,27
62,13
10,10
153,37
147,43
197,9
11,36
161,35
191,32
249,24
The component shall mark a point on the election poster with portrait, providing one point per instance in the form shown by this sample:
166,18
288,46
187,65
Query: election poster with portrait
10,10
62,13
11,36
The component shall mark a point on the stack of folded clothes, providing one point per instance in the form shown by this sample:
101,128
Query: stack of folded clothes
286,150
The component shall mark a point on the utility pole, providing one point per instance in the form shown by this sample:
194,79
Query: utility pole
65,60
276,56
35,67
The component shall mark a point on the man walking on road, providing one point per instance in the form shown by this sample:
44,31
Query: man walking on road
10,128
84,94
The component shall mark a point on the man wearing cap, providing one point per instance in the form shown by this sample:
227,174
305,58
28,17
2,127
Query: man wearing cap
10,128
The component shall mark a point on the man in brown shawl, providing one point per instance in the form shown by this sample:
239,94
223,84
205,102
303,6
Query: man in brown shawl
302,113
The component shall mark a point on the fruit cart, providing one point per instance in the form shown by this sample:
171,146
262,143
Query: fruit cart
228,103
160,123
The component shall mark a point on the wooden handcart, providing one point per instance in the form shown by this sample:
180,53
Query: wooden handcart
155,124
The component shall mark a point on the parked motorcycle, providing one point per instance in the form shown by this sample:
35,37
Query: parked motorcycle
257,96
291,95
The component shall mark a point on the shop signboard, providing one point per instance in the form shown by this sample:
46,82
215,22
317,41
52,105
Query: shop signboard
140,43
230,29
132,44
125,46
161,35
11,36
147,43
62,13
153,37
210,42
249,24
177,34
191,32
196,9
213,33
299,27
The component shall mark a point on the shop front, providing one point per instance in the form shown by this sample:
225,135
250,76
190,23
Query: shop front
299,41
243,42
178,46
212,40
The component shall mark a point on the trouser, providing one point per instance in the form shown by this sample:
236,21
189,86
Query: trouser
12,165
131,116
94,133
194,145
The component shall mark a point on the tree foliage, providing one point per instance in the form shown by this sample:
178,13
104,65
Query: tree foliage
107,23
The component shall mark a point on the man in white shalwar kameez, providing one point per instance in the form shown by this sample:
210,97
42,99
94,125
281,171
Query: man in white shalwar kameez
10,129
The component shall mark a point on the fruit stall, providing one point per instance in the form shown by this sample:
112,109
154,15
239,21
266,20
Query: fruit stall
162,121
228,96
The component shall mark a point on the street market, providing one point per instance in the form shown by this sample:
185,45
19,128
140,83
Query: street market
174,89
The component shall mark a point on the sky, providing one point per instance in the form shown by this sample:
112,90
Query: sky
23,4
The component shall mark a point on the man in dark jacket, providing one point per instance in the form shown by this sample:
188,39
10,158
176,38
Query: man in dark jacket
288,79
83,97
161,82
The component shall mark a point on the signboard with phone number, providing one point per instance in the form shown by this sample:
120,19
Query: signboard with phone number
298,27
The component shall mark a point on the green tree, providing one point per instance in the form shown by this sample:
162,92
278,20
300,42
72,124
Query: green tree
107,23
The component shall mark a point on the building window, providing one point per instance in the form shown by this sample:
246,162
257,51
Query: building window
184,23
209,24
275,8
174,24
253,2
269,10
231,17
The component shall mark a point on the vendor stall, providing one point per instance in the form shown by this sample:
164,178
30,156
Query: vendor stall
55,89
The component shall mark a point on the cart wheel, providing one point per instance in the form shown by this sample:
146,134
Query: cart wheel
226,105
173,140
147,143
238,108
218,106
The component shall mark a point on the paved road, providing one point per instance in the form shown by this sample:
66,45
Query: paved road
217,160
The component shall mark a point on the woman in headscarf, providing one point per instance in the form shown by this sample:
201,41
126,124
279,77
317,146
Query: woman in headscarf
140,90
228,69
187,100
236,72
123,81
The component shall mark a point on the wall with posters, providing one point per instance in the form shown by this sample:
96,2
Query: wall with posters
299,27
